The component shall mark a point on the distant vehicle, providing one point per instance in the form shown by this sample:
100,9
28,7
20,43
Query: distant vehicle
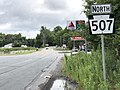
64,46
47,46
75,49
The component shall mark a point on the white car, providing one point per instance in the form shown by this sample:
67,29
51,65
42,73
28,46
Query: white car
74,49
47,48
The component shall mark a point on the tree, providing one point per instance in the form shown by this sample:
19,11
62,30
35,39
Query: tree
38,41
45,37
30,42
57,28
2,39
18,40
56,35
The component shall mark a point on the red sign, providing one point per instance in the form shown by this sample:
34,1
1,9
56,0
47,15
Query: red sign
71,24
77,38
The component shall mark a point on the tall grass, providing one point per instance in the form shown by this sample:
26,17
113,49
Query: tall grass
8,50
87,71
17,48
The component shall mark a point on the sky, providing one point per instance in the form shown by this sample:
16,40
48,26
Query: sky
27,16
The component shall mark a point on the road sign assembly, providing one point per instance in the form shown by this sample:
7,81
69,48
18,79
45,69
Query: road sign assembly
101,22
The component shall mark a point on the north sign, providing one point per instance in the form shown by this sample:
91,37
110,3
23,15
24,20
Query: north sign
101,9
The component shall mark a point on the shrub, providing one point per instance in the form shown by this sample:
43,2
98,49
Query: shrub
87,70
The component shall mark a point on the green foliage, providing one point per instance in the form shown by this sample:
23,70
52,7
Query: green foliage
38,41
16,49
2,39
16,39
86,70
111,40
57,28
45,37
30,42
117,86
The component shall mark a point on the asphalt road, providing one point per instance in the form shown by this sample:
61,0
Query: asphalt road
21,71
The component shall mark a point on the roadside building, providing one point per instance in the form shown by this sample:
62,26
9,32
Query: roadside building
8,45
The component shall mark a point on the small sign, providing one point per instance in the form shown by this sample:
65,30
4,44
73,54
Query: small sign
101,24
101,9
77,38
71,25
75,25
79,24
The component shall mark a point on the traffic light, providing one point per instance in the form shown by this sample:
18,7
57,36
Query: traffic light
79,24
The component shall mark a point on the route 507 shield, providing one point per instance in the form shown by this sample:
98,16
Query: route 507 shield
101,24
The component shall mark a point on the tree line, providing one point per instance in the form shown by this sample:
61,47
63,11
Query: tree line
58,36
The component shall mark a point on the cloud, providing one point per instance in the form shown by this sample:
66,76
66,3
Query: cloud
55,4
5,26
28,16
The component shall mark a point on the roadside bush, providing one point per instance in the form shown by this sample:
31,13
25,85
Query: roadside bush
87,70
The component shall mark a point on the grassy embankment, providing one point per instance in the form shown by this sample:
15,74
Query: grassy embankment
17,50
86,70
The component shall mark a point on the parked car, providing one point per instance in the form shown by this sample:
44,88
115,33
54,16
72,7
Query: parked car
47,48
75,49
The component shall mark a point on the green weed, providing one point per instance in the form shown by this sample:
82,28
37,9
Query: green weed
87,70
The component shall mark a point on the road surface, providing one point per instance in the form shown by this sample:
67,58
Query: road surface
21,71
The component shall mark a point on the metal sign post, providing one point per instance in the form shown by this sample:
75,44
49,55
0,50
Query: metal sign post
103,58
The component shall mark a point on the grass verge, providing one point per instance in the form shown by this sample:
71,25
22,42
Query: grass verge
86,70
17,51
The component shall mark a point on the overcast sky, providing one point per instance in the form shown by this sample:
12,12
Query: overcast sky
27,16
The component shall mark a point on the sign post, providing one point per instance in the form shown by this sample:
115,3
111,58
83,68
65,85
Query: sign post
103,58
101,23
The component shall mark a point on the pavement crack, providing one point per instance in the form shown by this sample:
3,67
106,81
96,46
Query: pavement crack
7,71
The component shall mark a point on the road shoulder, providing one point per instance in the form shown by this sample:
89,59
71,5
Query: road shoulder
45,80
